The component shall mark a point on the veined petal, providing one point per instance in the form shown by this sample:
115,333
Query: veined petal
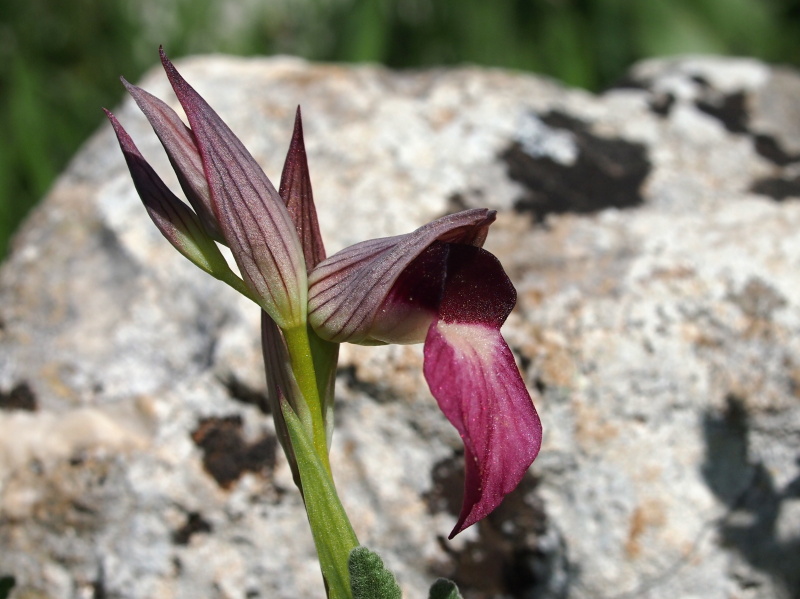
347,290
251,214
295,189
472,374
413,301
179,225
179,144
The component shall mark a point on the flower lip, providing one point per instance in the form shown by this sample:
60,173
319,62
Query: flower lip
474,378
439,286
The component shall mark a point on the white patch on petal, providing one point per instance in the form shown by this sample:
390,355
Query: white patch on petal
469,339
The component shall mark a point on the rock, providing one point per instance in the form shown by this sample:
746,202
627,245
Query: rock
651,232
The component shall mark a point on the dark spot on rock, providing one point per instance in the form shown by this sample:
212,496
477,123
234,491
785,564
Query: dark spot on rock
730,110
701,81
517,554
226,455
82,508
754,501
524,360
381,393
778,188
768,147
757,299
662,104
606,173
21,397
448,486
473,197
241,391
540,385
195,523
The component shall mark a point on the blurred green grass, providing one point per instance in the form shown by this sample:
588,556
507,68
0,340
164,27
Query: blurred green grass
60,59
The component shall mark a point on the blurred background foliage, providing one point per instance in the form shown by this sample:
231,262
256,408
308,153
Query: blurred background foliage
60,59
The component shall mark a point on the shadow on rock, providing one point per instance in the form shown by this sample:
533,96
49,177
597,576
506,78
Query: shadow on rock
749,490
519,553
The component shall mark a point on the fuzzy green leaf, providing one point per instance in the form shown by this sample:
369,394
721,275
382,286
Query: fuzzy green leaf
369,578
444,589
6,586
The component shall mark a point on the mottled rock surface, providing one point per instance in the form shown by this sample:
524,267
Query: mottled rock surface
653,233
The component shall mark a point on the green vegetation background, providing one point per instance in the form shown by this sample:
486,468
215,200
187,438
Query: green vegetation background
60,59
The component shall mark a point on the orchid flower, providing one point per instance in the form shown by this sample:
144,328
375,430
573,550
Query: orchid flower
438,286
435,286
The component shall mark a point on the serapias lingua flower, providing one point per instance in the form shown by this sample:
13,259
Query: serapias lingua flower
435,285
438,286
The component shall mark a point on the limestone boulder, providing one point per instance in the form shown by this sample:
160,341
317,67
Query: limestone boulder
653,235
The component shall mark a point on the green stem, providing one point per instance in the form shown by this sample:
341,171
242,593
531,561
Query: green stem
302,362
333,534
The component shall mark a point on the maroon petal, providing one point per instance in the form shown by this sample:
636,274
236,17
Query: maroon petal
347,290
295,189
174,219
472,374
179,143
252,216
